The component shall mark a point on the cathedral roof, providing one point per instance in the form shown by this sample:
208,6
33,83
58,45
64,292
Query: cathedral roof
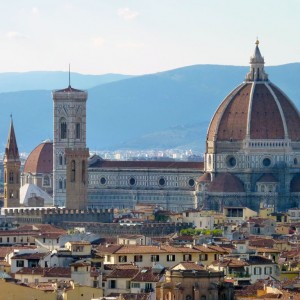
40,160
256,109
267,177
206,177
69,89
226,183
137,164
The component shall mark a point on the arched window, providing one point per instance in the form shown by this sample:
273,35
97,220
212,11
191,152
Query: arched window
78,131
5,177
63,129
65,184
60,159
46,180
83,172
60,184
11,177
73,171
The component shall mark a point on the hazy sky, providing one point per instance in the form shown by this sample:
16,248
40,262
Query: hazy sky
144,36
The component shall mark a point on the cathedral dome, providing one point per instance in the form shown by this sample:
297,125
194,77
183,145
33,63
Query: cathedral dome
256,110
40,160
226,183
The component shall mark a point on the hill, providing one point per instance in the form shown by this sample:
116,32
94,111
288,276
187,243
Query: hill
165,110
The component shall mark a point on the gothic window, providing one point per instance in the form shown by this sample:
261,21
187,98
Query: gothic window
60,160
5,177
83,171
77,131
63,129
60,184
11,194
73,171
65,184
46,181
11,177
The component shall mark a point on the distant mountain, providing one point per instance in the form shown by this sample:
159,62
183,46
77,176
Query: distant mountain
39,80
165,110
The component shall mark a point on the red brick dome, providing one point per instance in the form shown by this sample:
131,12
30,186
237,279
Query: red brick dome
226,183
257,109
40,160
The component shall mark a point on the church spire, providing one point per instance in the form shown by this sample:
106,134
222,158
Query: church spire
11,149
257,62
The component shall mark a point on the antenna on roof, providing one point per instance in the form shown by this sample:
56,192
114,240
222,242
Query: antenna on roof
69,75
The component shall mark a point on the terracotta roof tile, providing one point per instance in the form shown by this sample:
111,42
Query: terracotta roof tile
40,160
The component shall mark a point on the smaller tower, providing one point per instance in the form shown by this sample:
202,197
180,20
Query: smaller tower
77,180
12,165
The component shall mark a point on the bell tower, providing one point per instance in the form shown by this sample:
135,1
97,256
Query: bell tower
12,163
69,132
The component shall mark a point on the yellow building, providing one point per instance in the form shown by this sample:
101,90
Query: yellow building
167,256
47,291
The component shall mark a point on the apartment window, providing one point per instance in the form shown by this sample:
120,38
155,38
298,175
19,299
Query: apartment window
171,257
20,263
154,258
123,258
138,258
135,285
187,257
268,270
203,257
148,286
112,284
257,271
15,239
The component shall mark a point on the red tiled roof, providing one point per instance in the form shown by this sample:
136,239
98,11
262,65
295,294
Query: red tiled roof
146,275
267,177
226,183
206,177
123,273
47,272
40,160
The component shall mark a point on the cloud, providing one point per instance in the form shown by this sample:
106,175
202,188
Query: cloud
98,41
14,35
131,45
35,11
127,14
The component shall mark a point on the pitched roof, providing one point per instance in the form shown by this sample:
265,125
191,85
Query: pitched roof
146,275
47,272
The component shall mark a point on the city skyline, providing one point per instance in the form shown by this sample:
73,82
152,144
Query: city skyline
138,37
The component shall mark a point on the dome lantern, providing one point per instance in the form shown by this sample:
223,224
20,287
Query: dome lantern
257,62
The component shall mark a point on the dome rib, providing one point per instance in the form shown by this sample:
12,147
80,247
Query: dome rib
280,110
